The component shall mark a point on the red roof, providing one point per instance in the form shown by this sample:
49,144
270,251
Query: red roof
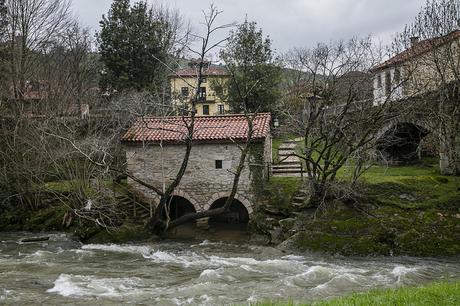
418,49
193,72
223,128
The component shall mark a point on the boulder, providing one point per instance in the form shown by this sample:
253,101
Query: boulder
287,224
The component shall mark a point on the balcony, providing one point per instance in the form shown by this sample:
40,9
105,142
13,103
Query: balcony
207,99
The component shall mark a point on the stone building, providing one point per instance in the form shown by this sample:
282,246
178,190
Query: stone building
422,82
155,150
213,87
418,70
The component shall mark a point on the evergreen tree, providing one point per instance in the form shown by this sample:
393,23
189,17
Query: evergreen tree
255,76
133,43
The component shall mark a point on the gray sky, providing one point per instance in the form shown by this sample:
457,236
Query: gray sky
289,23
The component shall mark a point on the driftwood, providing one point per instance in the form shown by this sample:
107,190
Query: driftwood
35,239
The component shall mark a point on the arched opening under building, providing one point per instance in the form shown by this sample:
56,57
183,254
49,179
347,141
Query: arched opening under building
404,144
177,207
233,222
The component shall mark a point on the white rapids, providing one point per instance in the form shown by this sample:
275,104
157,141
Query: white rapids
201,273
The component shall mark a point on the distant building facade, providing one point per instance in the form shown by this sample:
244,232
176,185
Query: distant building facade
214,85
415,71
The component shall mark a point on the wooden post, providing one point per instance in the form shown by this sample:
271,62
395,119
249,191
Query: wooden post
268,171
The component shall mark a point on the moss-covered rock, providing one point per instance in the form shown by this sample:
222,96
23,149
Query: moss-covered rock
123,234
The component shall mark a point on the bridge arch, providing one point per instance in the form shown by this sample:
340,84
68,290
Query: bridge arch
417,122
401,140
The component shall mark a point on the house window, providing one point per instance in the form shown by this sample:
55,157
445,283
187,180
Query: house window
387,83
203,80
397,76
218,164
220,109
184,91
219,90
379,81
202,94
205,109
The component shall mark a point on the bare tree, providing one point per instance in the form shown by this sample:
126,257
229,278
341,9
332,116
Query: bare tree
32,26
331,107
123,110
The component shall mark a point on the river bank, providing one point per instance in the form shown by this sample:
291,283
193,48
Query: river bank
446,294
407,210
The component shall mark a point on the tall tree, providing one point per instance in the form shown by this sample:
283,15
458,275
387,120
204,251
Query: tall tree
135,42
255,76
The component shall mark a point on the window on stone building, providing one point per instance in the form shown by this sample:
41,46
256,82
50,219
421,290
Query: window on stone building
221,109
184,91
218,164
397,76
205,109
202,94
379,81
387,83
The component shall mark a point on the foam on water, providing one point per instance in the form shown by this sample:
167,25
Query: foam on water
133,249
172,273
401,272
78,285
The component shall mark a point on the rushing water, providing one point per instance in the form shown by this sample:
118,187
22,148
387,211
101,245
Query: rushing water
61,271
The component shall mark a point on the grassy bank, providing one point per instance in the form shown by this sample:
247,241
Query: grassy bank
406,210
445,294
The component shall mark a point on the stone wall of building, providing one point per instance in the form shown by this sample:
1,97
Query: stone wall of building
202,183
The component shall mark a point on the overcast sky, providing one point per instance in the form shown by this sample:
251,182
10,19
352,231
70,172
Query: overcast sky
289,23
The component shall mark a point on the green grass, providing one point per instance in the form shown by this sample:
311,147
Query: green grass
276,143
435,294
410,210
422,184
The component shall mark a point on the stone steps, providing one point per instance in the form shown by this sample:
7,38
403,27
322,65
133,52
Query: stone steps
285,167
133,209
299,170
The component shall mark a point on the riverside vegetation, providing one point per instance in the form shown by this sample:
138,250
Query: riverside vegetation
400,210
404,210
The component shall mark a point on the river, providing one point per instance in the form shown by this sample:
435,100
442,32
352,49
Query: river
65,272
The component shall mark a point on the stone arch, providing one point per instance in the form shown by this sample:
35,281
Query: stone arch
183,194
393,123
400,139
225,194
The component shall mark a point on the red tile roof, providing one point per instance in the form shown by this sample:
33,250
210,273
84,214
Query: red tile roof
192,72
223,128
418,49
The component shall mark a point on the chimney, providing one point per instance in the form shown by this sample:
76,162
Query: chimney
414,40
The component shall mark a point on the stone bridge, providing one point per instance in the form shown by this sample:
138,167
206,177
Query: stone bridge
402,138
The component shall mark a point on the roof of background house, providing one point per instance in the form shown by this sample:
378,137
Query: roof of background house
212,70
224,128
417,49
